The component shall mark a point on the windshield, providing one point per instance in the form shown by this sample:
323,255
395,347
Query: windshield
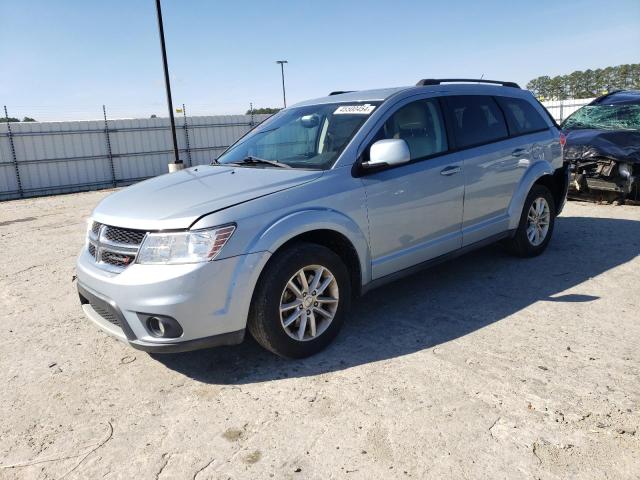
310,137
605,117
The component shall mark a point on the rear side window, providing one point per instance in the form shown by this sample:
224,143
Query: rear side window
522,117
476,119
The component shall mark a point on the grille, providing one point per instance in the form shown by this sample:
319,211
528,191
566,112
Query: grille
114,248
106,312
117,259
123,235
102,307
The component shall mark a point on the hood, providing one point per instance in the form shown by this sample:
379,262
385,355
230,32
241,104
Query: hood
619,145
176,200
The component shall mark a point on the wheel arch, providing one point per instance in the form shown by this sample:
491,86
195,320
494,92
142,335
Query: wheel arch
328,228
539,173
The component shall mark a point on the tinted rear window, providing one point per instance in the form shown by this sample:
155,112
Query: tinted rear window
477,119
522,117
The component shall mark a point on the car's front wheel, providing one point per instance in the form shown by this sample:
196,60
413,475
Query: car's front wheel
300,301
536,223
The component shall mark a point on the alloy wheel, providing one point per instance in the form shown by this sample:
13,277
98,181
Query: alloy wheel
309,302
538,219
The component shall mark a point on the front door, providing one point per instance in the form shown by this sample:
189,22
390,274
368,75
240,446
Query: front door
415,209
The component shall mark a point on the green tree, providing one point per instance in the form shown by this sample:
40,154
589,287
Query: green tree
586,84
534,87
28,119
545,87
267,110
573,84
9,119
556,88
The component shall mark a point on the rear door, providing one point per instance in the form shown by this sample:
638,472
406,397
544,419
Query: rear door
414,209
493,163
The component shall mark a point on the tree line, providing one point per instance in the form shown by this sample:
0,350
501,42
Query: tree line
258,111
586,84
14,119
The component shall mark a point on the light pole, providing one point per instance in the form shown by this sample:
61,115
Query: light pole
284,95
167,84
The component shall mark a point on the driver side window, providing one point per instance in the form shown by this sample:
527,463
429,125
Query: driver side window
420,124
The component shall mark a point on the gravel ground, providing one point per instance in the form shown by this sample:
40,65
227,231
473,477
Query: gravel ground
484,367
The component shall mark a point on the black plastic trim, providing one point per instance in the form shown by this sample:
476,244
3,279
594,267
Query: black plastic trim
231,338
87,294
173,329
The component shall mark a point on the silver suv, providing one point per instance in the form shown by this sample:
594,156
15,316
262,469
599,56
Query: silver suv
320,203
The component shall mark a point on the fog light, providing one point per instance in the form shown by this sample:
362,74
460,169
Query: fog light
156,327
161,326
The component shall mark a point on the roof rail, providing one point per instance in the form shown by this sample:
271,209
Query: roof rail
339,92
438,81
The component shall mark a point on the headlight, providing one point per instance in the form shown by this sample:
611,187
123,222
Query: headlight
88,235
184,247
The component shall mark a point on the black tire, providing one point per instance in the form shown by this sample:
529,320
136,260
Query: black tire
264,321
520,244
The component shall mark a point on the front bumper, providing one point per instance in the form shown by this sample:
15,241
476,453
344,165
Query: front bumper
209,300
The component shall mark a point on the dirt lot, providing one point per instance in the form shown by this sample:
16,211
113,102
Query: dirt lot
485,367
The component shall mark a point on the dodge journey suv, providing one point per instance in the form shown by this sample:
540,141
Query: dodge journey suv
320,203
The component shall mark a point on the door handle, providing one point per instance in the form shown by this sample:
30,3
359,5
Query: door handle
519,152
450,170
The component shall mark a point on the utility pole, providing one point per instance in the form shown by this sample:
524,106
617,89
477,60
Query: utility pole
167,84
284,95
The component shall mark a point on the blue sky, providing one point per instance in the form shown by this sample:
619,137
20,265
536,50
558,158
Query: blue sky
63,59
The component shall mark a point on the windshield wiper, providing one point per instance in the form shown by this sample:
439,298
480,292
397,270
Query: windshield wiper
250,160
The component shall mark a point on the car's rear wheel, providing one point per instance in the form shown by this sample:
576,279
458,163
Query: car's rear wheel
300,301
536,224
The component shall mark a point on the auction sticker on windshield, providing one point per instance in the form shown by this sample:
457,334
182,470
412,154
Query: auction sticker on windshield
365,109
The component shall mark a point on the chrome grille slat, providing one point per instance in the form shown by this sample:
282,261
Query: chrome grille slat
114,248
124,236
119,247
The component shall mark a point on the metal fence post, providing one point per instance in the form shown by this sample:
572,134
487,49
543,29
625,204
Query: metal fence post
561,110
251,122
186,134
106,133
13,154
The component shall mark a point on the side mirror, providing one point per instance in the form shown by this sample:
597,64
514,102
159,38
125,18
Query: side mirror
389,152
310,121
